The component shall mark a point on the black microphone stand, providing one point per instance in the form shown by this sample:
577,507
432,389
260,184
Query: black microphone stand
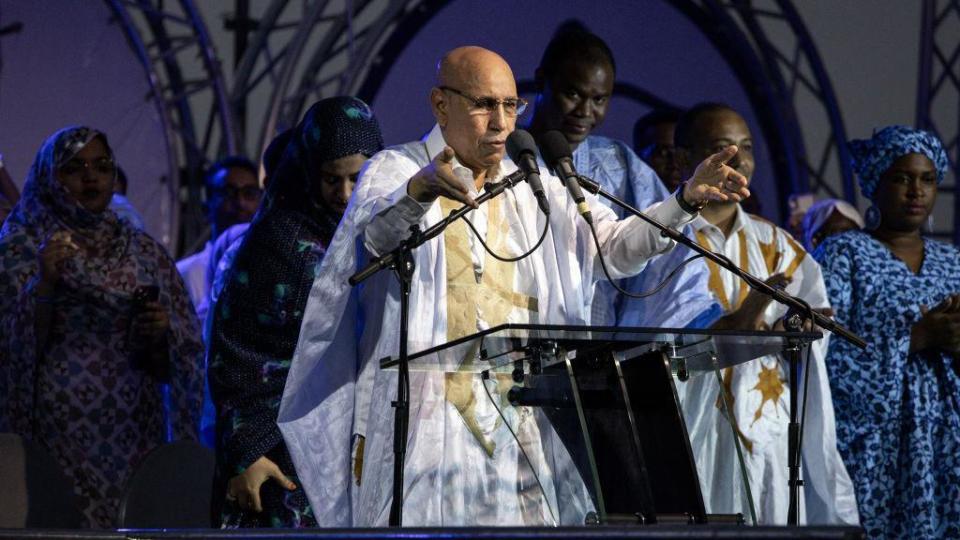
401,261
798,312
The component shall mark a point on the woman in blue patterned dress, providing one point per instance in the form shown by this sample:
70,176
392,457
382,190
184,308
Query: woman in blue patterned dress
256,320
898,401
83,356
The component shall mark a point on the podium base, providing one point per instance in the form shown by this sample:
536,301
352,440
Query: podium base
605,532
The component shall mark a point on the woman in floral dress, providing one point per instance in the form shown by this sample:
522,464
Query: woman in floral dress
95,322
898,401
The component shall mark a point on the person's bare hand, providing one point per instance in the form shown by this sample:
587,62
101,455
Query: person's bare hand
755,304
714,180
53,253
358,458
151,322
437,179
938,328
749,316
951,304
245,487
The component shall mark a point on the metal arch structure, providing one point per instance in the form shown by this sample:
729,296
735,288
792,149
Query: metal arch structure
795,72
938,93
304,51
186,83
347,48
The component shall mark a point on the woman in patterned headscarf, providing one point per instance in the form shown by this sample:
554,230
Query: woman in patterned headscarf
95,319
257,317
898,401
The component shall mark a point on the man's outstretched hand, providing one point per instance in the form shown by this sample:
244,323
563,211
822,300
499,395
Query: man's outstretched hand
714,180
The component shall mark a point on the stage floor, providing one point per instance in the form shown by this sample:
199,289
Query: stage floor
451,533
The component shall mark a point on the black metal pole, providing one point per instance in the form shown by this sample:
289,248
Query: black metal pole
401,413
389,259
242,25
793,351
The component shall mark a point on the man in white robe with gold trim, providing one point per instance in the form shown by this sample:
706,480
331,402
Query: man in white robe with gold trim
463,466
757,391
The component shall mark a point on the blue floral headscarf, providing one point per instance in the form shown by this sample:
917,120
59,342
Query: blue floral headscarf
872,157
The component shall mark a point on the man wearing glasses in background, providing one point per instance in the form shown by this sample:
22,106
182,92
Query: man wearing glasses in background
233,194
464,465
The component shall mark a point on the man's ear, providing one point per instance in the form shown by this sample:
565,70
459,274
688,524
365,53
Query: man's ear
439,104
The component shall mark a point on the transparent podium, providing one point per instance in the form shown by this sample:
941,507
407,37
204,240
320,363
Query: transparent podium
608,399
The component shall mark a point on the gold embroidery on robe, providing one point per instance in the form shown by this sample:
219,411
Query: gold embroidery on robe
770,386
800,254
489,297
769,383
716,287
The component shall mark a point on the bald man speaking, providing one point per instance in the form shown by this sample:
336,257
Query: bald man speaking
463,465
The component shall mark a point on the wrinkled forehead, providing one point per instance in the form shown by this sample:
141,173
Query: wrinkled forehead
483,79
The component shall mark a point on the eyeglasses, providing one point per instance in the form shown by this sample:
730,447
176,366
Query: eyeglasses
487,105
76,167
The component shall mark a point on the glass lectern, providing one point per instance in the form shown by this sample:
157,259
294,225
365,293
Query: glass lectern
607,398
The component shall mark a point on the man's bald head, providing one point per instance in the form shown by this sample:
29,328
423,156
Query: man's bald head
476,135
466,66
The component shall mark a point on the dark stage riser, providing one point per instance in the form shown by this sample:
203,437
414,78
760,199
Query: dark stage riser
684,532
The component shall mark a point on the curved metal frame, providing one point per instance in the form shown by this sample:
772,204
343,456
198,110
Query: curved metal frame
167,40
939,84
785,72
771,77
322,34
171,227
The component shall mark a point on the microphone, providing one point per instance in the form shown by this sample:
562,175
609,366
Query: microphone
556,152
523,151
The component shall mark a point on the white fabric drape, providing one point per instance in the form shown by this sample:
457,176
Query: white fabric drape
762,396
335,388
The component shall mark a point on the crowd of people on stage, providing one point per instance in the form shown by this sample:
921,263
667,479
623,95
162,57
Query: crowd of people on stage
257,345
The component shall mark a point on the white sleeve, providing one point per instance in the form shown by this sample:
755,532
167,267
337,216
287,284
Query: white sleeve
380,204
628,244
391,226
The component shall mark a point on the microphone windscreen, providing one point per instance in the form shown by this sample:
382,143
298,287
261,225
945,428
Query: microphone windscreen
518,142
554,147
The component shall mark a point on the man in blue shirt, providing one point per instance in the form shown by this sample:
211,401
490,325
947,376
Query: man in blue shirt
574,85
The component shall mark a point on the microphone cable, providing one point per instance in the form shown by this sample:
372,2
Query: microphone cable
603,264
806,384
543,235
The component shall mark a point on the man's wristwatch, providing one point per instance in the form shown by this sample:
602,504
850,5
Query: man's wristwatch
684,205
